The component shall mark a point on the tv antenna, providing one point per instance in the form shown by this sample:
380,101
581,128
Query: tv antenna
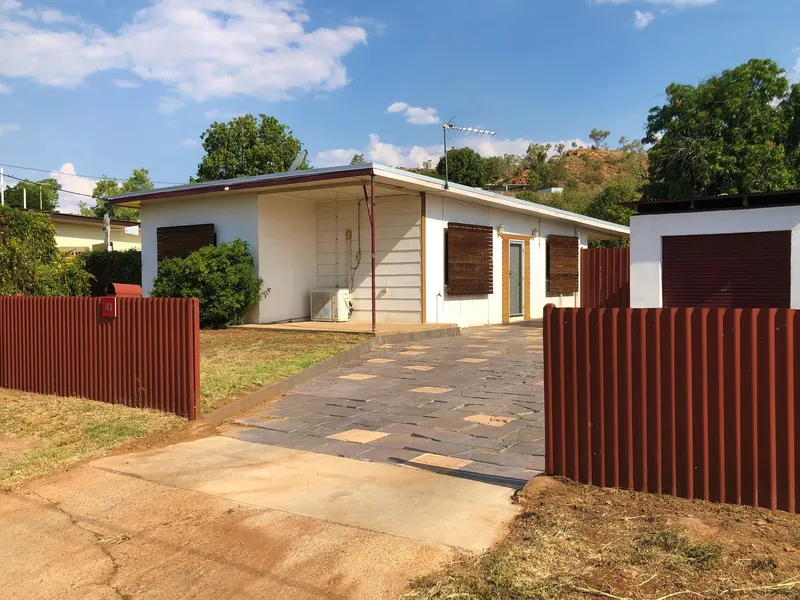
450,125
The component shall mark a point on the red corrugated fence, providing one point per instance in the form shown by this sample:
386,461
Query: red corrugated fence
693,402
606,277
148,356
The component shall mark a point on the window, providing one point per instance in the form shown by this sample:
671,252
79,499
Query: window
181,241
562,267
468,259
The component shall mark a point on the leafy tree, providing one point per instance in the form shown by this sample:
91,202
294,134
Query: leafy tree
561,149
30,263
246,146
139,181
358,159
465,166
598,136
220,276
494,167
115,266
736,132
44,191
608,204
536,154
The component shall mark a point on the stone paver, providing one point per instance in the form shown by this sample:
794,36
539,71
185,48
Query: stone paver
488,417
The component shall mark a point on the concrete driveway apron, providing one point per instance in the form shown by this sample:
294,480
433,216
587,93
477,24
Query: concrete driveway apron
470,406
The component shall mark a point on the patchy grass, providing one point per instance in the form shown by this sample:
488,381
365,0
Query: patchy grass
236,361
581,542
40,434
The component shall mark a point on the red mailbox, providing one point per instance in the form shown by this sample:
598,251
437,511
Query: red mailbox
124,290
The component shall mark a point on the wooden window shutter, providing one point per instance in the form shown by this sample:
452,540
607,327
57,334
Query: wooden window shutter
469,259
181,241
563,266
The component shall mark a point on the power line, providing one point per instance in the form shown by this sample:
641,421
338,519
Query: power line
48,186
78,175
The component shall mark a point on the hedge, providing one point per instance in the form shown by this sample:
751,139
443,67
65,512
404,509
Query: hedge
115,266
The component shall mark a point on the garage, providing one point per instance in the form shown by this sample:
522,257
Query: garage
742,270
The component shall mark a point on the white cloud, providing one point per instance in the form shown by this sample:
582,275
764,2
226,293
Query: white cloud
642,19
5,89
169,105
413,156
415,115
74,183
198,48
127,83
9,127
189,142
378,26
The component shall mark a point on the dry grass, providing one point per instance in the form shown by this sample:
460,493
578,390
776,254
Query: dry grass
576,541
40,434
236,361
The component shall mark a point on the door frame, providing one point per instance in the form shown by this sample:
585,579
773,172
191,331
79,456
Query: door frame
506,239
521,245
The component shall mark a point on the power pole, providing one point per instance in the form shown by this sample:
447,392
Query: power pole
2,189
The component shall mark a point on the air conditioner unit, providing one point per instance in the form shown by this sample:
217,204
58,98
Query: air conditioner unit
330,304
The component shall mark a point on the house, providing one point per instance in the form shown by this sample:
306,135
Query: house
77,233
739,251
441,255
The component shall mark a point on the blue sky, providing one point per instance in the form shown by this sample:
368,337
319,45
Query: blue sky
98,87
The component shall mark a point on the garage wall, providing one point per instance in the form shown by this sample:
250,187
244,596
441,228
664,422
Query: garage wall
647,231
398,255
287,256
469,311
233,216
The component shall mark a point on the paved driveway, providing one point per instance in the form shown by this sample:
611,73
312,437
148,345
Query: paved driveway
470,406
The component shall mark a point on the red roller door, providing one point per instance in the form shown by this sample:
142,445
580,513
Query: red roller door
741,270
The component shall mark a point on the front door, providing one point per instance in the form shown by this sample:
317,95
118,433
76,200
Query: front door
516,303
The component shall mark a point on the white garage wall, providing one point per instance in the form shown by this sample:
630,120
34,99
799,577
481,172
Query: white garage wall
287,256
233,216
647,231
398,256
469,311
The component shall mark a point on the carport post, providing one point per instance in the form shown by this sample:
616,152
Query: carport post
372,236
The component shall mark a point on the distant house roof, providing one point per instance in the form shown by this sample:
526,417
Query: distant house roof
712,203
57,217
358,175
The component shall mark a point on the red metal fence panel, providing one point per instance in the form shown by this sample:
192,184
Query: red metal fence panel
693,402
148,356
605,277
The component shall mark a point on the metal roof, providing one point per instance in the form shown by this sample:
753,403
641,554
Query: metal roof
367,169
715,203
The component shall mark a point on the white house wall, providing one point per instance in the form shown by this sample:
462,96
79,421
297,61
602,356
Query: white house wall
77,235
234,216
469,311
647,231
287,256
398,255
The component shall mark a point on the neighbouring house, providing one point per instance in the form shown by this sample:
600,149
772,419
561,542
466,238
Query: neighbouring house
77,233
442,255
738,251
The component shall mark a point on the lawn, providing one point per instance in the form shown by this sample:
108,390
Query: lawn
41,434
237,361
582,542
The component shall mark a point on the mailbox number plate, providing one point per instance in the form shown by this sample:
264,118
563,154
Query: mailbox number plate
109,304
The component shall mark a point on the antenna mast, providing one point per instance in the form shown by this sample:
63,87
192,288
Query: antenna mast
450,125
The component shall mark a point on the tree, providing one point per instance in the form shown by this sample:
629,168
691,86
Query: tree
139,181
735,132
358,159
493,166
246,146
598,136
42,194
561,149
608,204
464,166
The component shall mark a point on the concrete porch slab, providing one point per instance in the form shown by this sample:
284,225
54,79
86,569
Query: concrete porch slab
396,500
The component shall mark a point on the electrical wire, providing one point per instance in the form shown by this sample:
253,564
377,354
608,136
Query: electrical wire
78,175
50,187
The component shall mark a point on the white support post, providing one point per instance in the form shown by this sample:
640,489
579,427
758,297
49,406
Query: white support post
24,198
2,189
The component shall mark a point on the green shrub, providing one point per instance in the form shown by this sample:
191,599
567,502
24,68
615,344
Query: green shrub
117,266
220,276
30,263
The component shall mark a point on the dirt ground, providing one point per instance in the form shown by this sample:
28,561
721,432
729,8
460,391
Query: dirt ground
575,541
93,534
